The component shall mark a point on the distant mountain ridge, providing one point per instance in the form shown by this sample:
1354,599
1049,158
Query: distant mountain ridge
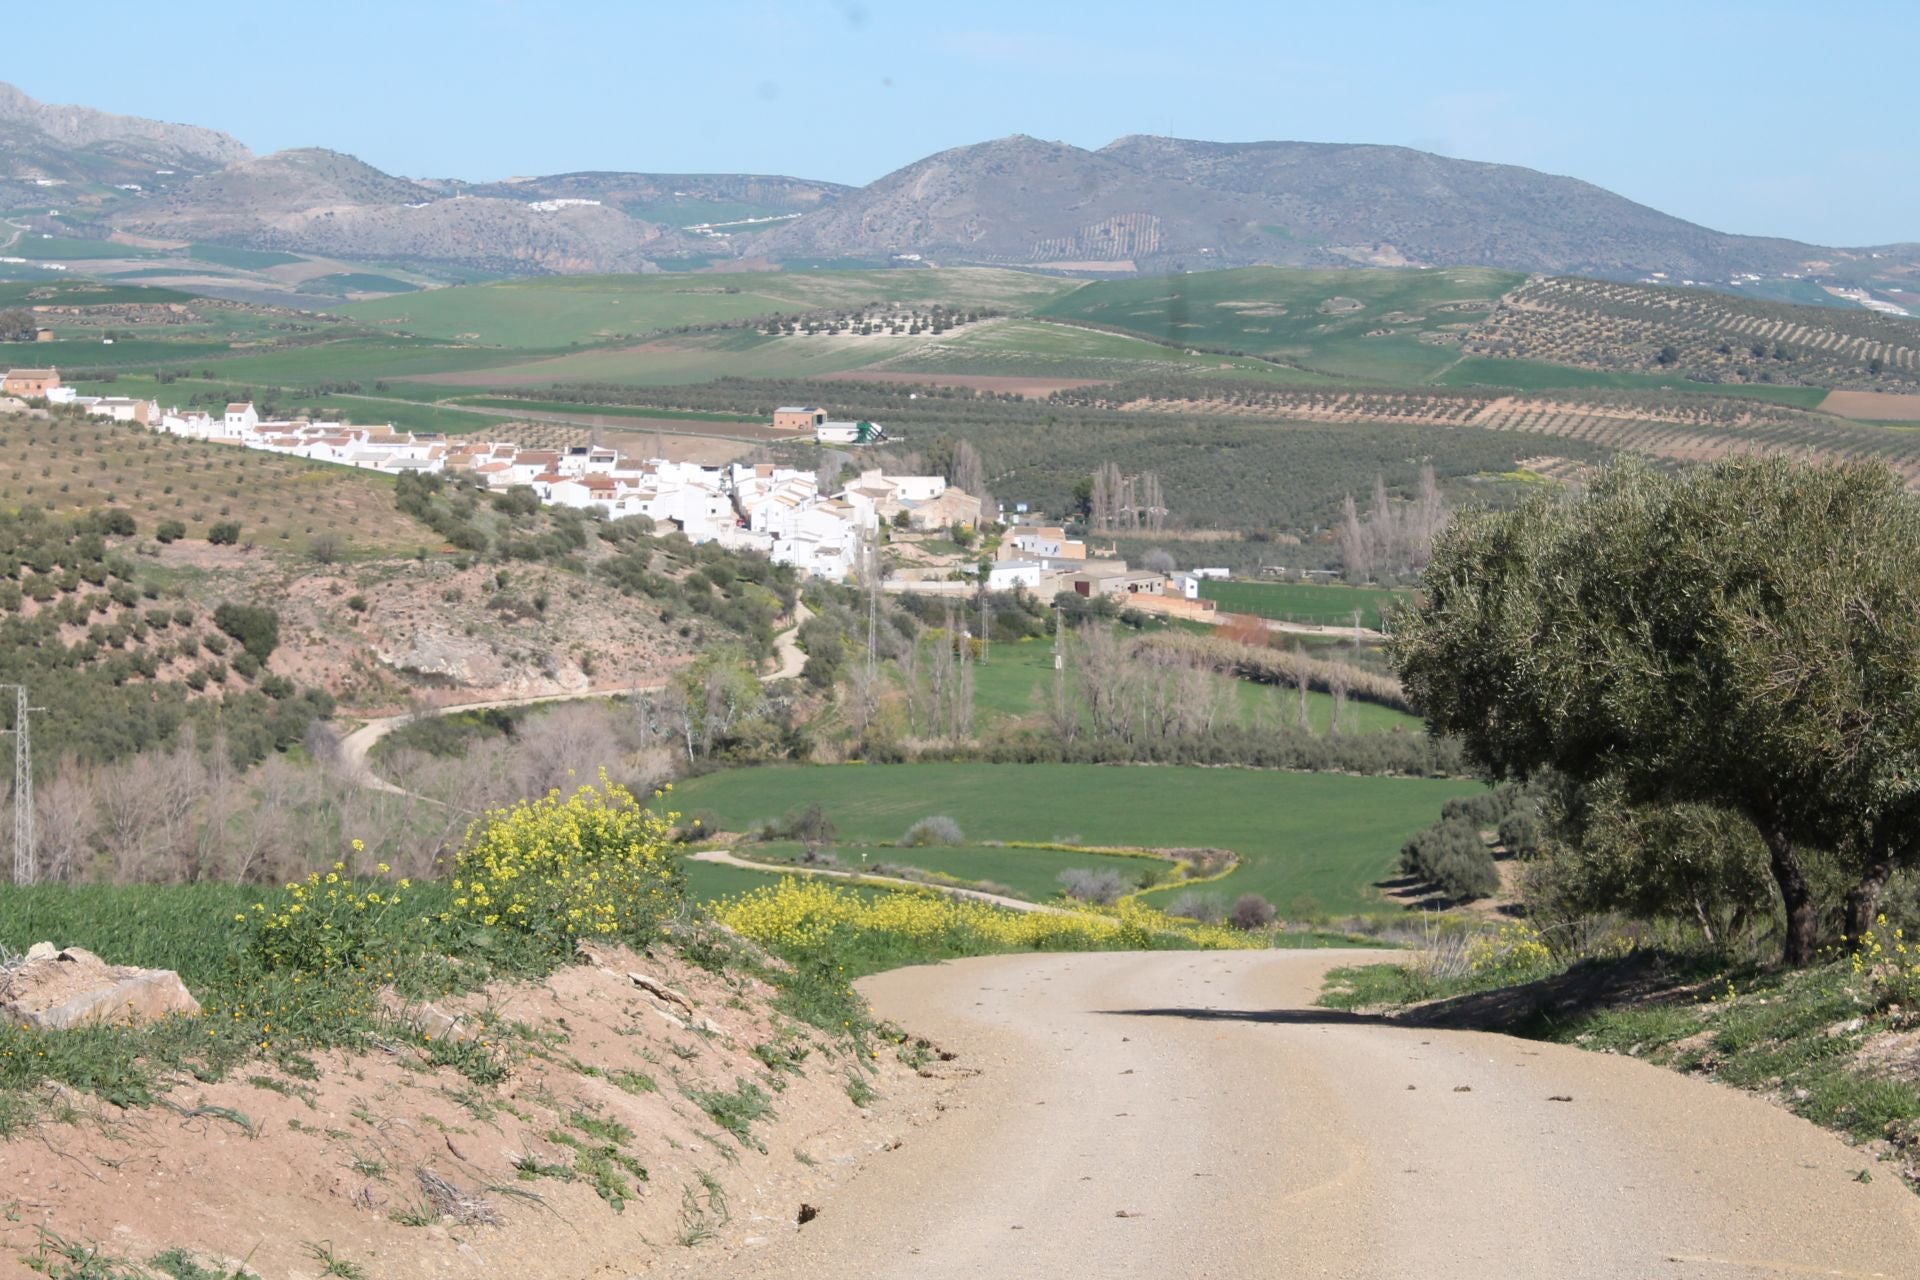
1163,204
1140,204
42,145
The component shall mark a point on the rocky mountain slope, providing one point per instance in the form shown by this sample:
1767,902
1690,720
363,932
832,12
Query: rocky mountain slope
1138,204
80,147
323,202
1169,204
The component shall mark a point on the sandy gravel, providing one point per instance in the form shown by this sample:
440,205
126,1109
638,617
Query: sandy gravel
1183,1115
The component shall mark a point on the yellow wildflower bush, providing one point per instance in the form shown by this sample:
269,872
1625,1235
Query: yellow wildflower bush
1886,968
325,922
593,864
1513,953
798,915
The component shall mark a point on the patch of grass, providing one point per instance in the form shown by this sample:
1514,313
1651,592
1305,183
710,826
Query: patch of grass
597,1157
735,1110
860,1091
702,1212
181,1265
1308,602
635,1082
331,1263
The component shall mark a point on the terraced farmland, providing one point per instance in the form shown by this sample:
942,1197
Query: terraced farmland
71,465
1694,332
1394,326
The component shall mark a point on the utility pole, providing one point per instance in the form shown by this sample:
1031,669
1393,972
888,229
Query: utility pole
870,545
986,621
25,862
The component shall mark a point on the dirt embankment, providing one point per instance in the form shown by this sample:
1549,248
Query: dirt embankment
380,635
403,1169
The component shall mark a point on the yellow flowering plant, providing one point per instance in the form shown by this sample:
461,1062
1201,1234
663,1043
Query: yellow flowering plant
1514,953
809,916
1886,968
594,864
326,922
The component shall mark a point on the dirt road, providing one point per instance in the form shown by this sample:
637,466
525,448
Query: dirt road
789,660
1182,1115
720,857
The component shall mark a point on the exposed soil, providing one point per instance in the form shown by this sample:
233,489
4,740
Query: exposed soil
260,1169
429,630
1874,406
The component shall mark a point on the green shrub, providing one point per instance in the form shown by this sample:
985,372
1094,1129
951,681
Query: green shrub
1452,855
256,627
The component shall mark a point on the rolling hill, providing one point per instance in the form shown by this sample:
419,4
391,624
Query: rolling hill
1137,206
1168,204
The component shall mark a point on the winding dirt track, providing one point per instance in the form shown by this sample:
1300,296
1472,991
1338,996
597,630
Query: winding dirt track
720,857
789,659
1181,1115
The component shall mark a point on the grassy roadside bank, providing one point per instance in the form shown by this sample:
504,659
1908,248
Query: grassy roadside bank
1837,1044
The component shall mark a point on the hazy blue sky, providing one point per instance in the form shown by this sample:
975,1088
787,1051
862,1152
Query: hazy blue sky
1768,118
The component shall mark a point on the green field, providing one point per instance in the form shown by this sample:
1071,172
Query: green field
1025,346
693,358
1324,837
244,259
555,310
342,283
1537,375
573,406
1278,312
1013,682
1327,605
65,249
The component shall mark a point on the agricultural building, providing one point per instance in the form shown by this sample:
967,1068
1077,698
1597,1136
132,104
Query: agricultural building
1008,574
798,418
862,432
28,383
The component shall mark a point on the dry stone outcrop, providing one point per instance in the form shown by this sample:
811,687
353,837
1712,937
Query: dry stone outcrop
52,990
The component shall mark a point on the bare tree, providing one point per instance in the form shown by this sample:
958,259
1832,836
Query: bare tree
565,747
968,472
65,821
1105,675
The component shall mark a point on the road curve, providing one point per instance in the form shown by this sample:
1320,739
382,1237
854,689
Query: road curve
720,857
789,659
1183,1115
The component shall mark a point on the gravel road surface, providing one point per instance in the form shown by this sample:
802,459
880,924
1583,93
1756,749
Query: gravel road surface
1188,1115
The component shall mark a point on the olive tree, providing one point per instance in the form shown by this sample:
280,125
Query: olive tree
1744,636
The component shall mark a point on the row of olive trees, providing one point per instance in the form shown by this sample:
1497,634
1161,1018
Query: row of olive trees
1739,642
